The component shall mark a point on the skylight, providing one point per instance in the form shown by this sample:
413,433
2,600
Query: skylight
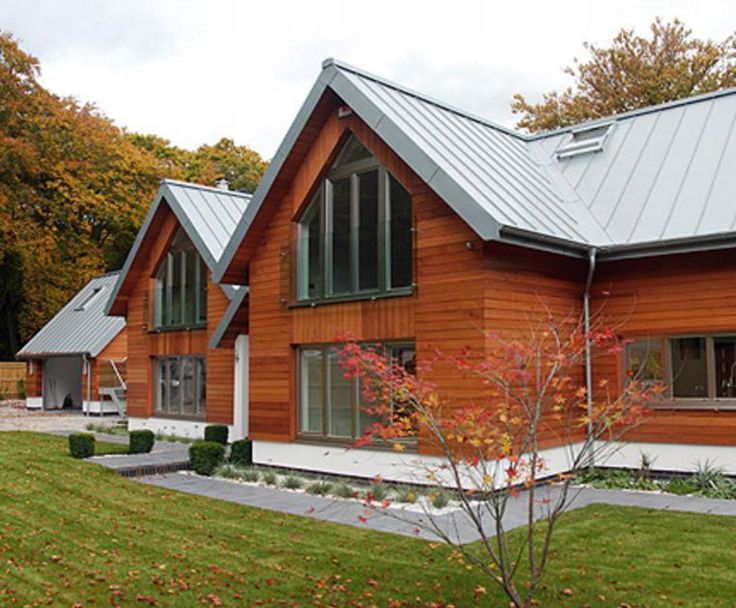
89,299
585,140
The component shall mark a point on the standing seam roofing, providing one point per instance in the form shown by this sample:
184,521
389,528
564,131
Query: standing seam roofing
75,332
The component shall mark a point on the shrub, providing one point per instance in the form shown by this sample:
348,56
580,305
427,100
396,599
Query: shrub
292,482
680,487
439,499
405,494
708,477
343,490
141,442
216,433
20,388
379,491
241,452
319,488
82,445
228,471
250,474
206,456
269,478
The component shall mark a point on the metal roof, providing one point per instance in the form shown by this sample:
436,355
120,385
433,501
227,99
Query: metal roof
208,215
237,300
665,173
664,176
81,326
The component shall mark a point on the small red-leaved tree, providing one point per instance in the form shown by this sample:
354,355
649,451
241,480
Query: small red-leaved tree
532,394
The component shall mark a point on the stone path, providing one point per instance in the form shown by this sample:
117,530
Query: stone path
165,456
456,524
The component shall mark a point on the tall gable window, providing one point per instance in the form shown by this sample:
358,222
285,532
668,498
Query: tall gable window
355,236
180,294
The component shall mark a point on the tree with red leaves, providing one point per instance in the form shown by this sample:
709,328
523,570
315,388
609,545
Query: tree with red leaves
489,451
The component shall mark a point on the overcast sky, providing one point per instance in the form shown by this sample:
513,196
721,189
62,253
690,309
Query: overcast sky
195,71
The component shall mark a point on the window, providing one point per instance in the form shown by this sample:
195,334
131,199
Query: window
355,236
695,369
329,403
181,386
646,361
180,292
90,297
585,140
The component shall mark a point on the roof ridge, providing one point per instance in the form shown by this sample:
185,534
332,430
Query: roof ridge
666,105
196,186
423,97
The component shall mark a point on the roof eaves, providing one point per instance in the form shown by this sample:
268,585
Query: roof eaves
689,244
422,97
235,303
414,156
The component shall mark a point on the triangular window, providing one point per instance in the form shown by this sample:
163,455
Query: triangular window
353,151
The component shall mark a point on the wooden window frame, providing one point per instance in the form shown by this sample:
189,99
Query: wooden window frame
668,400
325,436
162,300
199,364
323,199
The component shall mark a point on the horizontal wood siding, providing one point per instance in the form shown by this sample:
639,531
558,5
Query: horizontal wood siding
670,295
143,345
443,313
34,378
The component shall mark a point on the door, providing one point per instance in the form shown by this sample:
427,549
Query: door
62,382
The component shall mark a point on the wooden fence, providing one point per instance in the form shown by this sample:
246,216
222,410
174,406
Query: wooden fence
12,379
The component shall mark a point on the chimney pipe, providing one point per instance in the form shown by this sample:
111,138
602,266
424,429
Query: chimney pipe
222,184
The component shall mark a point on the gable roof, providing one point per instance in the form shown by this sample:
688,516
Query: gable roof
208,215
666,167
81,326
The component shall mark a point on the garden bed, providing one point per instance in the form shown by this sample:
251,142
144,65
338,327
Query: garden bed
707,481
436,501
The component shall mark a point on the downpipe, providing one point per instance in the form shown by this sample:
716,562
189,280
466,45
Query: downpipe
588,356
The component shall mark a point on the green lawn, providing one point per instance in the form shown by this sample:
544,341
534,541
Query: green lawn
72,533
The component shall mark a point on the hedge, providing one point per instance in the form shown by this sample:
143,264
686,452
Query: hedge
141,442
216,432
206,456
82,445
241,452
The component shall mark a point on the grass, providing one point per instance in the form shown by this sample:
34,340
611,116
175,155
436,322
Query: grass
74,533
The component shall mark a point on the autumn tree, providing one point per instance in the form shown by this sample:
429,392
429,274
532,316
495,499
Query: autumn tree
633,72
74,189
241,166
489,450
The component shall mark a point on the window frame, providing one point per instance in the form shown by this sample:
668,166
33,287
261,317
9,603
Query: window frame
323,200
199,363
668,400
162,296
355,409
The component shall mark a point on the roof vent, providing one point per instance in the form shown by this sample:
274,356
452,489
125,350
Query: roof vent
585,140
222,184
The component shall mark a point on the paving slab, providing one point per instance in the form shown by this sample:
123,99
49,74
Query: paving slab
455,524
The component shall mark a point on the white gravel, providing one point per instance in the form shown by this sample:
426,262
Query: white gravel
15,419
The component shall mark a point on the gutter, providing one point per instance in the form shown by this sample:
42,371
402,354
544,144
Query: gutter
588,363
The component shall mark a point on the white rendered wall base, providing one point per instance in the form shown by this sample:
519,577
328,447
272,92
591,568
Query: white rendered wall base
34,403
672,457
168,426
367,463
99,408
